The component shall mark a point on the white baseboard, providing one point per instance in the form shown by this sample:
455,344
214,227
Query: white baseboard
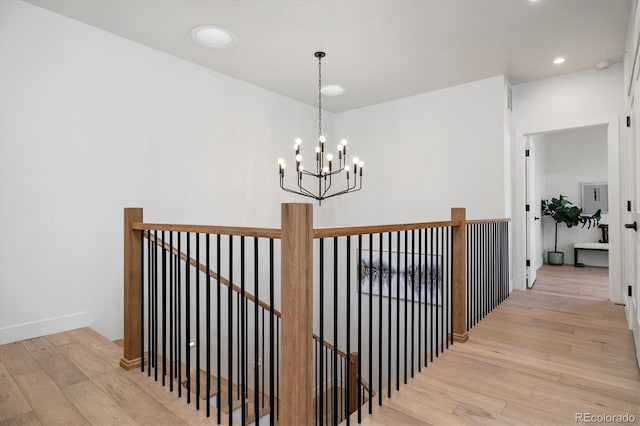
29,330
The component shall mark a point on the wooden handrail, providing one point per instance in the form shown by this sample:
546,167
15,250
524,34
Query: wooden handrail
500,220
274,233
330,346
235,288
317,232
376,229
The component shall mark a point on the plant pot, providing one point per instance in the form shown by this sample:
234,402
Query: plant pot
555,258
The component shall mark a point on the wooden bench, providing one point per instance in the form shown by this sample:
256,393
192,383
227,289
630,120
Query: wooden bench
587,246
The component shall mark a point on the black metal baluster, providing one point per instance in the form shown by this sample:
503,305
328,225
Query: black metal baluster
397,311
425,284
243,365
490,254
493,266
149,297
164,310
469,267
171,311
380,327
263,352
256,354
238,341
432,284
322,351
142,233
331,400
208,325
187,320
445,286
413,297
485,262
230,333
316,379
507,267
476,274
418,285
271,304
178,315
371,318
389,351
326,381
441,290
197,321
406,299
277,368
450,284
340,418
498,242
155,308
348,323
359,328
218,325
335,330
437,284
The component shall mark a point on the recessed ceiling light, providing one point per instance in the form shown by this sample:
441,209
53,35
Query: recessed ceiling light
211,36
559,60
332,90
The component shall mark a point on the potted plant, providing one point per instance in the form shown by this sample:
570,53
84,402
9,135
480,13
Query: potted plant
562,211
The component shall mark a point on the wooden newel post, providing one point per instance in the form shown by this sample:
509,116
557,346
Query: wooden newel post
459,281
297,314
132,290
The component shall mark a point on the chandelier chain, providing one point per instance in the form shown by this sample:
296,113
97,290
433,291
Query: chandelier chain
319,96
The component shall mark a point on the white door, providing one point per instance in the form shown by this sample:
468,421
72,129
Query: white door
632,218
533,207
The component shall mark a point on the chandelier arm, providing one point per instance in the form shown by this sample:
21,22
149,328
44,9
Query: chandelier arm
346,191
304,190
300,193
308,173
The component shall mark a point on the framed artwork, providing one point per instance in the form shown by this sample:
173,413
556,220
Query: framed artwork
595,195
423,275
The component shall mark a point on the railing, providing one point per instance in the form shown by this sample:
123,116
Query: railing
231,362
388,301
487,267
399,281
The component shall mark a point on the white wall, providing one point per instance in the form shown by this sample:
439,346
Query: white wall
423,155
573,157
427,153
569,101
92,123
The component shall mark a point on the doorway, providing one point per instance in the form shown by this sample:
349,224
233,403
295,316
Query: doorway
520,219
570,163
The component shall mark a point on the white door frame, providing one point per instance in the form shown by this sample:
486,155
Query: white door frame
615,223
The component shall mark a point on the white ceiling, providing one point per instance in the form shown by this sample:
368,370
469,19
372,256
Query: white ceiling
377,50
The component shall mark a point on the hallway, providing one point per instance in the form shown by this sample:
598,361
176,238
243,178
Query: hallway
539,358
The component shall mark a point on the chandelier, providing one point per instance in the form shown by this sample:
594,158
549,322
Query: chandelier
328,178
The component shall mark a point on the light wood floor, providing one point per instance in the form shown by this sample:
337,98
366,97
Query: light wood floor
539,358
74,378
